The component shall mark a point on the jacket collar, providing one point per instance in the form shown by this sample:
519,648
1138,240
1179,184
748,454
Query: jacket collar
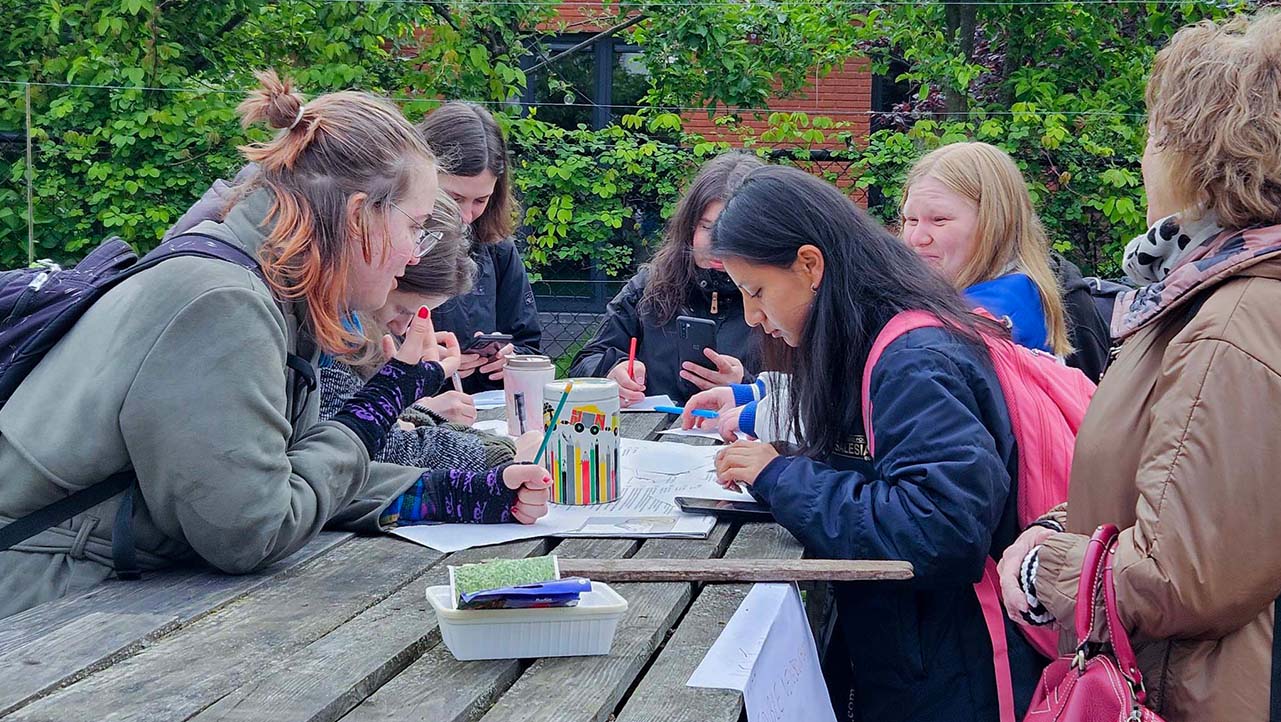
1230,254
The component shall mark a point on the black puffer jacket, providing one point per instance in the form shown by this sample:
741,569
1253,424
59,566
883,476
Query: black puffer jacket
657,346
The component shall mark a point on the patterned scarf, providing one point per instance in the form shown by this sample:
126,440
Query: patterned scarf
1149,258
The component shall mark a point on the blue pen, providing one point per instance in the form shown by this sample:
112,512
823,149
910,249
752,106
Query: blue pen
700,413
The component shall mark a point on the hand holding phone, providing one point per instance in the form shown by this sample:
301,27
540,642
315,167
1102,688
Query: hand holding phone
487,344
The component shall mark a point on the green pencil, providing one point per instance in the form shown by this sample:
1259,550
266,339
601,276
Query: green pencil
551,428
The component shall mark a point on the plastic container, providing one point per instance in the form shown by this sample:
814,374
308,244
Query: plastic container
582,454
587,629
526,374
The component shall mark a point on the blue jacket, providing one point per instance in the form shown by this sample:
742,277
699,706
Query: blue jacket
501,301
1014,296
937,494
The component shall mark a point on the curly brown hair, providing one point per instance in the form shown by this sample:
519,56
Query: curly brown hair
1214,108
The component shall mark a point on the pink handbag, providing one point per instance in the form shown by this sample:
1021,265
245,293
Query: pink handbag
1094,686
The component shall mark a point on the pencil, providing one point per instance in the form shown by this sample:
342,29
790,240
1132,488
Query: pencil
551,428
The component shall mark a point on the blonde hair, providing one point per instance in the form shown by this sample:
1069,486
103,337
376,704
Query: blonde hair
327,151
1008,230
1214,107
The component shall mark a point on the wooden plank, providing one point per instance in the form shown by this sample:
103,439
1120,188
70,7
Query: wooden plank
721,571
440,688
57,643
662,695
577,689
641,425
327,678
184,672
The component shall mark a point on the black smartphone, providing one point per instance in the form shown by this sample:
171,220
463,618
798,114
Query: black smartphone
487,344
726,508
696,334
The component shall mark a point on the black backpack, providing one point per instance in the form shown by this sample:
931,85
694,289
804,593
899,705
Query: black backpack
1104,294
39,305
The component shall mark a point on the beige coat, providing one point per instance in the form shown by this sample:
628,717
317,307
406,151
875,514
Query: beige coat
1181,449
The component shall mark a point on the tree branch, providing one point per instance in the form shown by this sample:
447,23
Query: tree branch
575,48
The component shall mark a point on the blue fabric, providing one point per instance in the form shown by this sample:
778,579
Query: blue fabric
352,324
744,393
937,494
747,419
1014,296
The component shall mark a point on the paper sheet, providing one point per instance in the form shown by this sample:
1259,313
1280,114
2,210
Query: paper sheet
650,402
767,652
653,474
695,433
486,400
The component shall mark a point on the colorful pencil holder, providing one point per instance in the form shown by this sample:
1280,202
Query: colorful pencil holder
582,454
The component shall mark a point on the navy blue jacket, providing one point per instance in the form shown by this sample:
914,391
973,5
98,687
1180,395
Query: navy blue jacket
501,301
658,347
937,494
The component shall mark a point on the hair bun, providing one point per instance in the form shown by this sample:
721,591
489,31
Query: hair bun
274,102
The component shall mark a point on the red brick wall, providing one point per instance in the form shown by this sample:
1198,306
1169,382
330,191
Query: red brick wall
844,94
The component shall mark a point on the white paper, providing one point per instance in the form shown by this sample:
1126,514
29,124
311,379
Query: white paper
652,474
486,400
650,402
767,652
695,433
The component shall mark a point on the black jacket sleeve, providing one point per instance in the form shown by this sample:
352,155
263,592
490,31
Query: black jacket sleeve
612,341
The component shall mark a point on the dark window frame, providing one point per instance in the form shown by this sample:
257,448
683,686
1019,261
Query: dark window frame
604,50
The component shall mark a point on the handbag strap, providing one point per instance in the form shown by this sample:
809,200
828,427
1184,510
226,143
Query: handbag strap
1121,647
1087,589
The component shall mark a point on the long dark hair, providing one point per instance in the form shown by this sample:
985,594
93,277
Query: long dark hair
869,276
467,142
671,272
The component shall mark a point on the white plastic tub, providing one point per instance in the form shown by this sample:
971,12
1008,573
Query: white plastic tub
587,629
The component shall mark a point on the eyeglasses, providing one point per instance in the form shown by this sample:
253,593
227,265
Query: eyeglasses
427,238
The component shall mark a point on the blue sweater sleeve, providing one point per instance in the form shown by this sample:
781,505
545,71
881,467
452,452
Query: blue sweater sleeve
939,488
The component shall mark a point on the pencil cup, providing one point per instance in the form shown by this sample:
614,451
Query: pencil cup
526,374
582,454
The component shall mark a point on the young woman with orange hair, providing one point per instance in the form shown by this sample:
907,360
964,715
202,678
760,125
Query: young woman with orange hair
185,374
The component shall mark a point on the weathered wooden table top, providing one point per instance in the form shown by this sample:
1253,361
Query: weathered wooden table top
342,631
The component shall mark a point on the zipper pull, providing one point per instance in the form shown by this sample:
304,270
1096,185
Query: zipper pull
715,300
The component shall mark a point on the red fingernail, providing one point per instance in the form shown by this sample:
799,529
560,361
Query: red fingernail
424,312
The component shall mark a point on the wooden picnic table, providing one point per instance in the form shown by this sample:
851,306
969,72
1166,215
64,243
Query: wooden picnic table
342,631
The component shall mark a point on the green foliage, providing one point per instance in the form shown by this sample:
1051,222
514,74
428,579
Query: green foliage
1060,86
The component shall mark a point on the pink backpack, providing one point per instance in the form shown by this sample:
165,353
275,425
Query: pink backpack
1047,403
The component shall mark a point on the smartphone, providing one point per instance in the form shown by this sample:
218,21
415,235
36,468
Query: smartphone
725,508
696,334
487,344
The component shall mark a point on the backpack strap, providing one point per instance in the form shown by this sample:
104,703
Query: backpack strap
987,589
900,324
64,509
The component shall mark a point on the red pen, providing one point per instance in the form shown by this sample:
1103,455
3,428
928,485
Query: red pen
631,361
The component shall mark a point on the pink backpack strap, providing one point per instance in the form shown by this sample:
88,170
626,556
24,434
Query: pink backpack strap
902,322
988,591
